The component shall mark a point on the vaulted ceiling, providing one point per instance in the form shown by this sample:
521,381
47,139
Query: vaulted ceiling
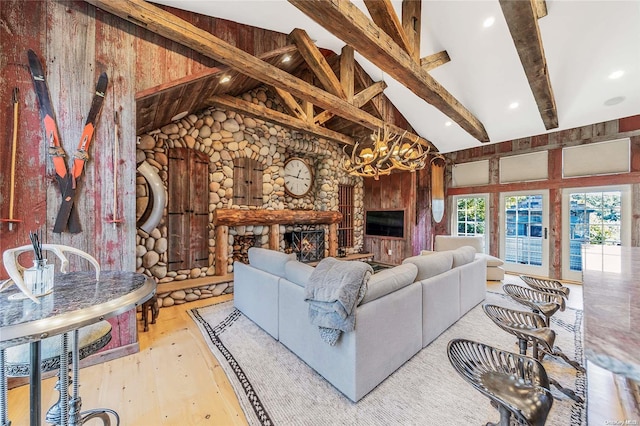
463,73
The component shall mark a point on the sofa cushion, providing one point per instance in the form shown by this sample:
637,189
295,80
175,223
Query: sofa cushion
432,265
452,242
492,261
389,280
297,272
463,255
269,260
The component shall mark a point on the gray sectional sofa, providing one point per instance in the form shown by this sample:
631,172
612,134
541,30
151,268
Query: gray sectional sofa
404,309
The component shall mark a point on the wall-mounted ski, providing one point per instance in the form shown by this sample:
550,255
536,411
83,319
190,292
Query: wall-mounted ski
67,180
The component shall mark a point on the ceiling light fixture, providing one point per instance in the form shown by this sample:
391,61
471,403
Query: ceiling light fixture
614,101
225,79
286,59
488,22
448,123
616,74
514,105
385,153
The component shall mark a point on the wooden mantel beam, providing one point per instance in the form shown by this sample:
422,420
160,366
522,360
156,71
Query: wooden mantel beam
168,25
344,20
522,19
234,217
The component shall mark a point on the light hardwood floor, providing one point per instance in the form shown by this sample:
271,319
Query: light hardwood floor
175,380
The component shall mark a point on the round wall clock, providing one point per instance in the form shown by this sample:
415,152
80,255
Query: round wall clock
298,177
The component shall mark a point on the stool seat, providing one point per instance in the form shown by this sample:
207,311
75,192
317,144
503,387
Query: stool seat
518,395
548,285
538,301
518,385
92,338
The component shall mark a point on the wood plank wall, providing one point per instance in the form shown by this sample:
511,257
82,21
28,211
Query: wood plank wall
394,192
76,42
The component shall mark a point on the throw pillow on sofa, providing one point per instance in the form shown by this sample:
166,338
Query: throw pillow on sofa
432,265
269,260
389,280
463,255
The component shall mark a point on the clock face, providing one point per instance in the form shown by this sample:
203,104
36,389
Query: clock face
298,178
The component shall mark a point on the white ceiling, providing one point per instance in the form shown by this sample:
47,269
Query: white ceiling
584,42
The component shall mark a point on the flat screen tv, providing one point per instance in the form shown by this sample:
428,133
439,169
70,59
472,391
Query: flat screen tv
385,223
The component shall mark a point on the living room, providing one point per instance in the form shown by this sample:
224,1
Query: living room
142,102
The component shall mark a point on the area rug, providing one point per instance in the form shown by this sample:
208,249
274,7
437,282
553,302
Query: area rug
275,387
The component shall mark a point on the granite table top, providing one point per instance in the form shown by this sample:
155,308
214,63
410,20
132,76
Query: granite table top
77,300
611,291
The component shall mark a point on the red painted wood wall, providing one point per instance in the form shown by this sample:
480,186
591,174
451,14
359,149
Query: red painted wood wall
76,42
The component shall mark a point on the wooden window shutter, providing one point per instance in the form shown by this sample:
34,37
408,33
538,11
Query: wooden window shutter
247,182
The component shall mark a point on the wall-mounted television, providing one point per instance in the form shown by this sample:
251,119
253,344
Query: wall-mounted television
385,223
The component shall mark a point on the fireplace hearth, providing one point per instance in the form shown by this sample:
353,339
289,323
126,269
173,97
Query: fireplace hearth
307,245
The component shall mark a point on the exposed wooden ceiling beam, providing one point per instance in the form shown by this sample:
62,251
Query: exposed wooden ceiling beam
343,19
292,105
347,63
317,62
412,24
384,15
433,61
359,100
268,114
172,27
522,20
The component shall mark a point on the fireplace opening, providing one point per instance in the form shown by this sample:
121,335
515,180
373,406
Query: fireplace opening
307,245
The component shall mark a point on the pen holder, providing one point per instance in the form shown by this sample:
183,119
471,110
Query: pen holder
39,278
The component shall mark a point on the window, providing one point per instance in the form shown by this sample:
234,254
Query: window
345,206
471,215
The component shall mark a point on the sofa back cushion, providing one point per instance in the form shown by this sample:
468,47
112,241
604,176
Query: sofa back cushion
432,265
269,260
463,255
452,242
389,280
298,272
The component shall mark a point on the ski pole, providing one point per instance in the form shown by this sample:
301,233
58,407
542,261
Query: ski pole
14,145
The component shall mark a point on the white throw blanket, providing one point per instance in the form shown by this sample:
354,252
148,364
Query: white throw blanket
334,290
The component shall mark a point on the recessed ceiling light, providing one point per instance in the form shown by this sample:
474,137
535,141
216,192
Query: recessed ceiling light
225,79
514,105
287,58
488,22
616,74
448,123
614,101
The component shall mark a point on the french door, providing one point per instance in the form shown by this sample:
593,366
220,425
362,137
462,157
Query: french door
524,244
600,215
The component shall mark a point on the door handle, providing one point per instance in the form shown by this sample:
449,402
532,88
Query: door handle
546,233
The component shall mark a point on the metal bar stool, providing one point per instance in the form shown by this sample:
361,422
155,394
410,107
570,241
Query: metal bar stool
539,302
548,285
517,385
530,327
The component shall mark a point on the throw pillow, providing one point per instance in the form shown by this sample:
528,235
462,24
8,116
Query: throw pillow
269,260
463,255
389,280
431,265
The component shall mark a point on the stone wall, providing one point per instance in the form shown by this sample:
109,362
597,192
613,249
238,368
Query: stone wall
224,136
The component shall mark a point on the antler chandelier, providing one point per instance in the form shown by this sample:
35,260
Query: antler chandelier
385,153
